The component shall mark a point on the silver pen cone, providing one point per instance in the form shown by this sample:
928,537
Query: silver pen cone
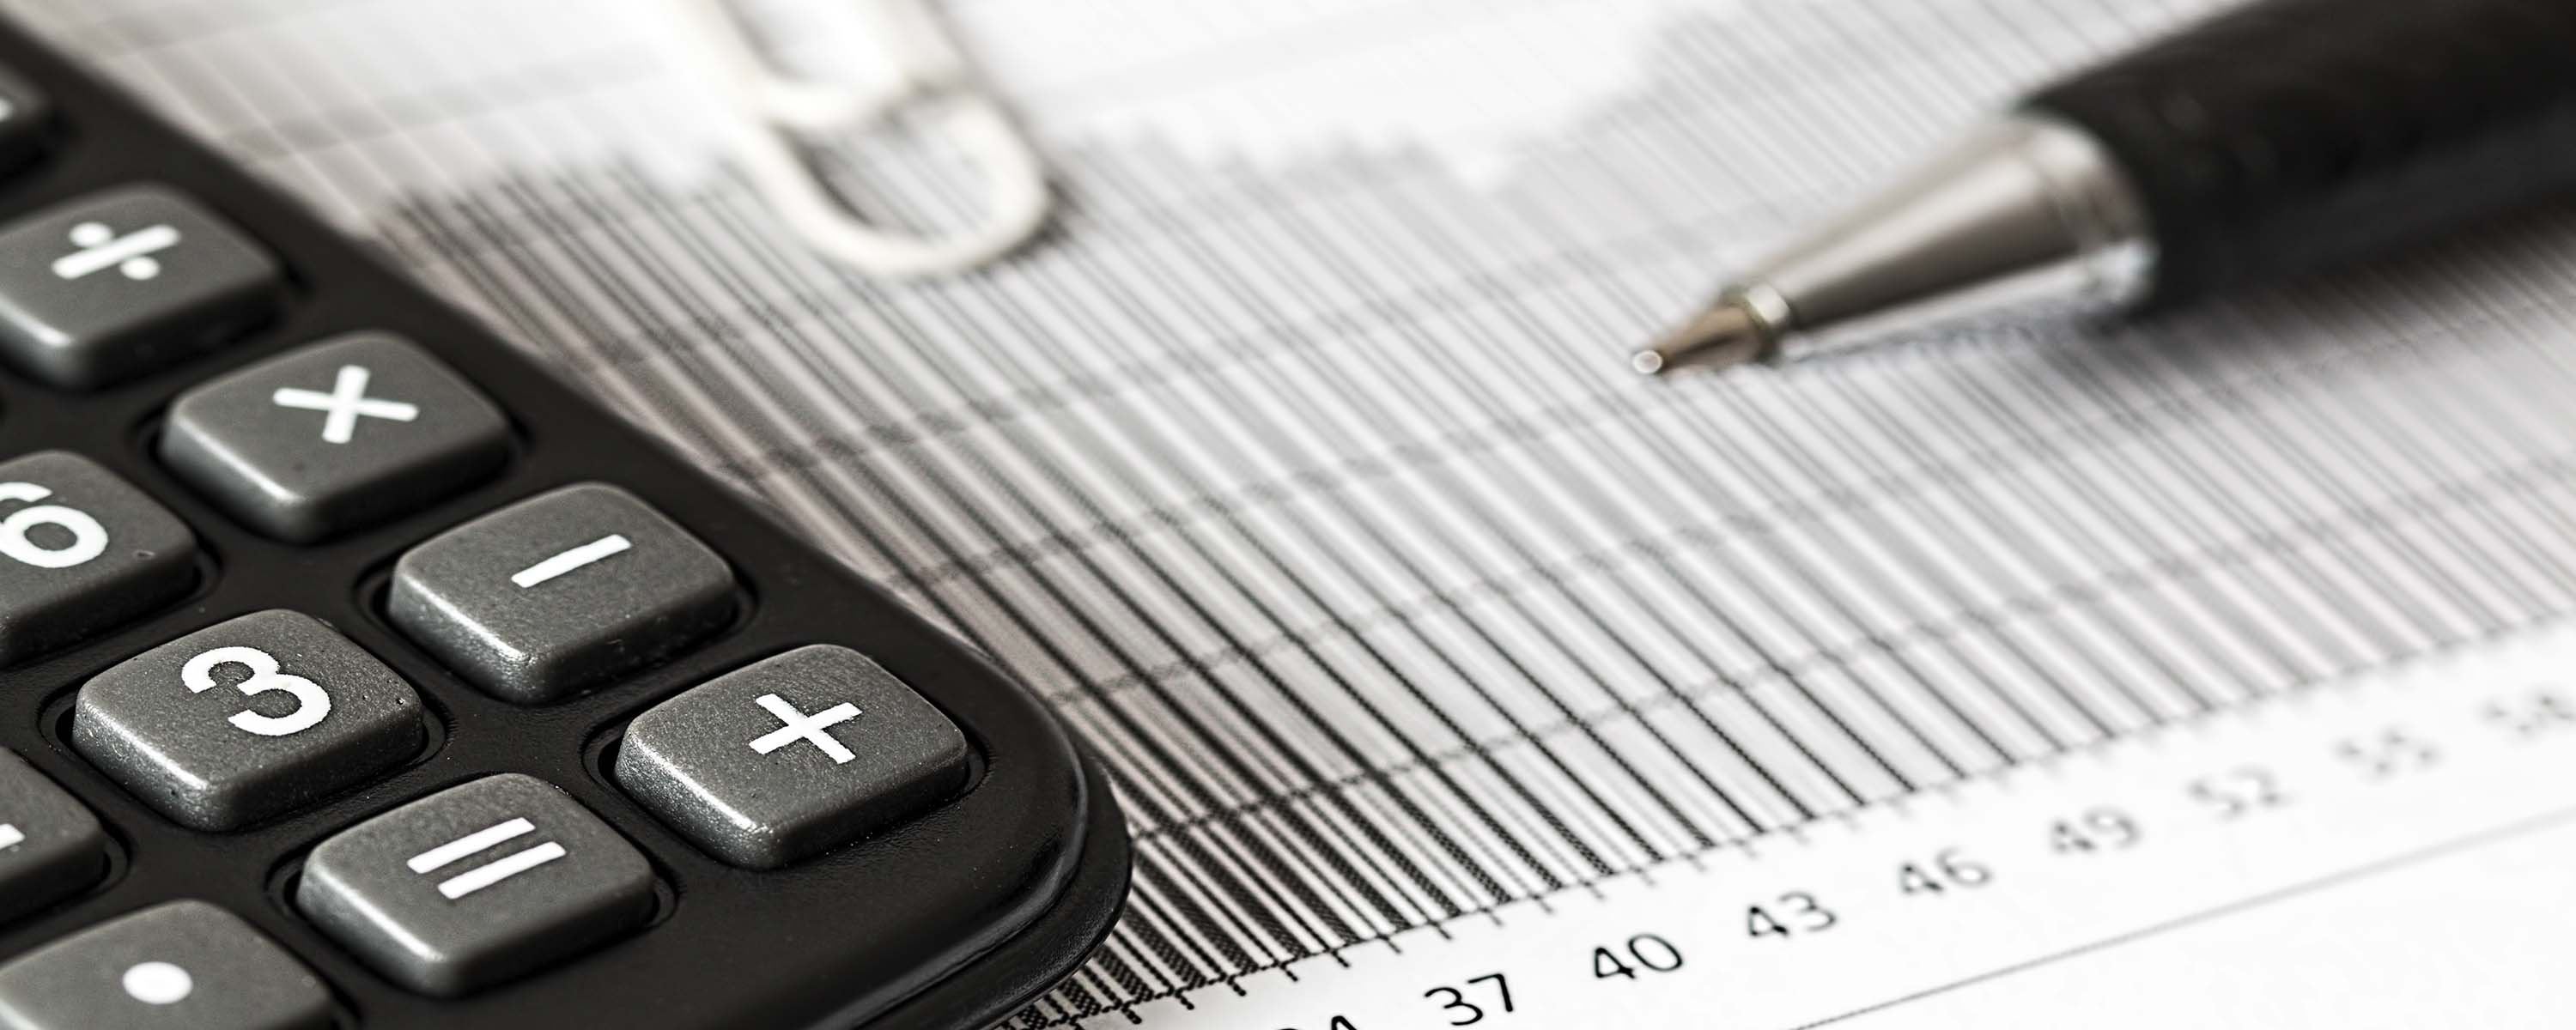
1724,334
2025,212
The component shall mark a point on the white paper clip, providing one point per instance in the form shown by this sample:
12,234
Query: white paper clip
924,67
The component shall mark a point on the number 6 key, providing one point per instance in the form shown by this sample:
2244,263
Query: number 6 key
80,552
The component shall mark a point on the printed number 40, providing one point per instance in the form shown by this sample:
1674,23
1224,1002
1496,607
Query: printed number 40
17,539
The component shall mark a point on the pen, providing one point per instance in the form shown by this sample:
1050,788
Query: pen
2281,136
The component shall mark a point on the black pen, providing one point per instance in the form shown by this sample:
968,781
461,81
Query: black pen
2282,136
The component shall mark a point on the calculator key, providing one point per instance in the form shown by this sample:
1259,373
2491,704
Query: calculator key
117,284
246,720
560,592
81,551
476,885
790,756
50,844
184,964
335,437
24,112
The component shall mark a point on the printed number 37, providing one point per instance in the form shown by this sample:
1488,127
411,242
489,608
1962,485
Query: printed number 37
311,704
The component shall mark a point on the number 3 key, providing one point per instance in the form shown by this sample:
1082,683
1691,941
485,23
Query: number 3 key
244,720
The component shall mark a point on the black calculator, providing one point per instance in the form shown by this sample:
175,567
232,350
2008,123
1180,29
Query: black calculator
357,674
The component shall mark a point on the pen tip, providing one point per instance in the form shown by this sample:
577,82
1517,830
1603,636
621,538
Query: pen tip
1723,335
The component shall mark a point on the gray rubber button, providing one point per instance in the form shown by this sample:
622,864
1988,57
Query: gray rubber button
120,283
803,752
184,965
246,720
50,845
80,552
336,437
560,592
24,112
476,885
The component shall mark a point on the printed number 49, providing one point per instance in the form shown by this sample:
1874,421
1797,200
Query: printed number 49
17,540
311,704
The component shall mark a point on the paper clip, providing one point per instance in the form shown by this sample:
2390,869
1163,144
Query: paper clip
926,68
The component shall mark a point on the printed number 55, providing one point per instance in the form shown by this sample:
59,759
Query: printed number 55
311,704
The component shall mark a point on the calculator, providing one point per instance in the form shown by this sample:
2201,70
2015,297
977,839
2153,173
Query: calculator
357,674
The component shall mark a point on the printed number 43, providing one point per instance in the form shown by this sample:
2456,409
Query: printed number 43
1796,913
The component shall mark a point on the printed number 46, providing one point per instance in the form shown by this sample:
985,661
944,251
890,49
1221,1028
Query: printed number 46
17,539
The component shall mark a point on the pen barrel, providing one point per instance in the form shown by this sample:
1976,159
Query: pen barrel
2294,134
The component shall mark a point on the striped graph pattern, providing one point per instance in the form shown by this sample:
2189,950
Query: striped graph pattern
1315,494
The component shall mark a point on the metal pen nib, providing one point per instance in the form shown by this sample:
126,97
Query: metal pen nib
2024,210
1724,334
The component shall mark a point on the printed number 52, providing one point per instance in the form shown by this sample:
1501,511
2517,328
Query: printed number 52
311,704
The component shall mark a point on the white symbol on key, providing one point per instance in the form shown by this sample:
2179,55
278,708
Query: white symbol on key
587,554
11,836
157,983
101,248
312,703
807,728
18,541
345,404
489,873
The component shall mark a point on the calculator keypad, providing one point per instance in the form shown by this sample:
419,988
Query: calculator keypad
560,592
475,885
119,283
790,756
81,551
276,769
50,845
336,437
246,720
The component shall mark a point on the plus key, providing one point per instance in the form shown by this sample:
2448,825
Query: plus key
773,802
